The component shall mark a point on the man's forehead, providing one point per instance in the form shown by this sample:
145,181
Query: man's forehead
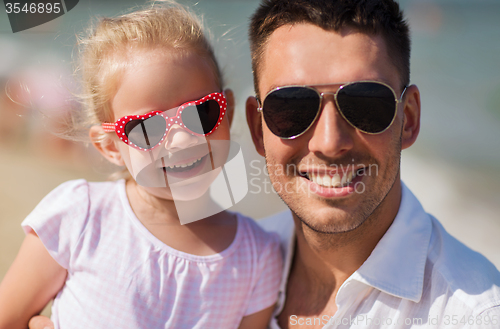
305,54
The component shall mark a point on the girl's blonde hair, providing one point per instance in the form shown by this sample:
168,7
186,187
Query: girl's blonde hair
166,25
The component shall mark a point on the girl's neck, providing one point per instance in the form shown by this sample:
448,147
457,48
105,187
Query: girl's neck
206,236
149,208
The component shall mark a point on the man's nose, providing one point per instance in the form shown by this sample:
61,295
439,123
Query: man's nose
178,139
332,135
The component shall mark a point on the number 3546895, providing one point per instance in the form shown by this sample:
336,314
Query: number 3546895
33,8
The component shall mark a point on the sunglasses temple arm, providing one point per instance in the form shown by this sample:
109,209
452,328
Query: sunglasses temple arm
108,127
259,105
402,94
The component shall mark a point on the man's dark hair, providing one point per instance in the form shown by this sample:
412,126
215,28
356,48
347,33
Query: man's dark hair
372,17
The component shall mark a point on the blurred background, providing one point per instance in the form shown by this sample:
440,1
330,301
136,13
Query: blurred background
453,168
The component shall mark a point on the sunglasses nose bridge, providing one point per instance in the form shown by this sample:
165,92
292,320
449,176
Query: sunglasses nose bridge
322,94
325,94
324,97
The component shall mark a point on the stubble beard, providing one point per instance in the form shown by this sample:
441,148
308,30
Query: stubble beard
343,227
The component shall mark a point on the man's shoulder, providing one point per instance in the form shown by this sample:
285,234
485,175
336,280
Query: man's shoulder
282,224
465,273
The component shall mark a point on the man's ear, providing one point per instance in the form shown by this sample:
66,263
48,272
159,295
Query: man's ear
230,105
411,119
254,120
105,145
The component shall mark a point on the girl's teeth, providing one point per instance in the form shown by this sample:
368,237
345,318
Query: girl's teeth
184,165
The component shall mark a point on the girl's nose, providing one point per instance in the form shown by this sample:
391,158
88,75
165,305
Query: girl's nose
178,139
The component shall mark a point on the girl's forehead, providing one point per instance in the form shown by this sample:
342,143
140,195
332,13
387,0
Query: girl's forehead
160,80
134,56
135,59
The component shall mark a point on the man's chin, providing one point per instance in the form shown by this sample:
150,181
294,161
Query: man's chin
333,223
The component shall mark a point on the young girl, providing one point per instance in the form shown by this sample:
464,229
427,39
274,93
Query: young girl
115,254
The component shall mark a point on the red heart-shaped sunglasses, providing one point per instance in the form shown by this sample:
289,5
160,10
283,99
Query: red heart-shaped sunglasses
147,131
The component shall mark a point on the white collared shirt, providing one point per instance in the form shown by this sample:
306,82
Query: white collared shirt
418,276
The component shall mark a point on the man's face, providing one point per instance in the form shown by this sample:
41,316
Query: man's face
302,169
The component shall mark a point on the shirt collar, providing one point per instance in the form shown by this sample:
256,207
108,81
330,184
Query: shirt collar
396,266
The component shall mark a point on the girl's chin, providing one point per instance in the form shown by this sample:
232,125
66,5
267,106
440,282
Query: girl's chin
193,188
181,191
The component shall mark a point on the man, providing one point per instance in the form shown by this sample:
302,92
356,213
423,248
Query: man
363,254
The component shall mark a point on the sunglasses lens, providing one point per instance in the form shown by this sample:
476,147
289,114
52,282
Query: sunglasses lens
369,106
146,133
201,118
289,111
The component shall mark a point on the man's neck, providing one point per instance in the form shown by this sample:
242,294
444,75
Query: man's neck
332,258
323,262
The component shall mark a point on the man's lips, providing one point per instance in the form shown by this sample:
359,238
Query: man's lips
334,178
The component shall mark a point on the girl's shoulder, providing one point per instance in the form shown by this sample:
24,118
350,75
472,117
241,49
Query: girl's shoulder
68,197
262,238
81,189
83,199
253,225
62,217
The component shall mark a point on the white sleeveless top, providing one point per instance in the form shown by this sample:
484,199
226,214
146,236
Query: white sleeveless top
121,276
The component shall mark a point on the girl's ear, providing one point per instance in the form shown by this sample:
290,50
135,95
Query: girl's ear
106,145
230,105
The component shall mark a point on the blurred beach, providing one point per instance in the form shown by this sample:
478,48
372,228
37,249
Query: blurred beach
453,168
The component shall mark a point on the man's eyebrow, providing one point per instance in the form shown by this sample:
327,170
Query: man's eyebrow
272,88
275,86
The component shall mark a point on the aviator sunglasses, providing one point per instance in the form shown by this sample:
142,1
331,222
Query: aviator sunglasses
147,131
369,106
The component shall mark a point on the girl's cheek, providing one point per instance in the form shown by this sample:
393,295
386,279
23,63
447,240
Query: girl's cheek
222,132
